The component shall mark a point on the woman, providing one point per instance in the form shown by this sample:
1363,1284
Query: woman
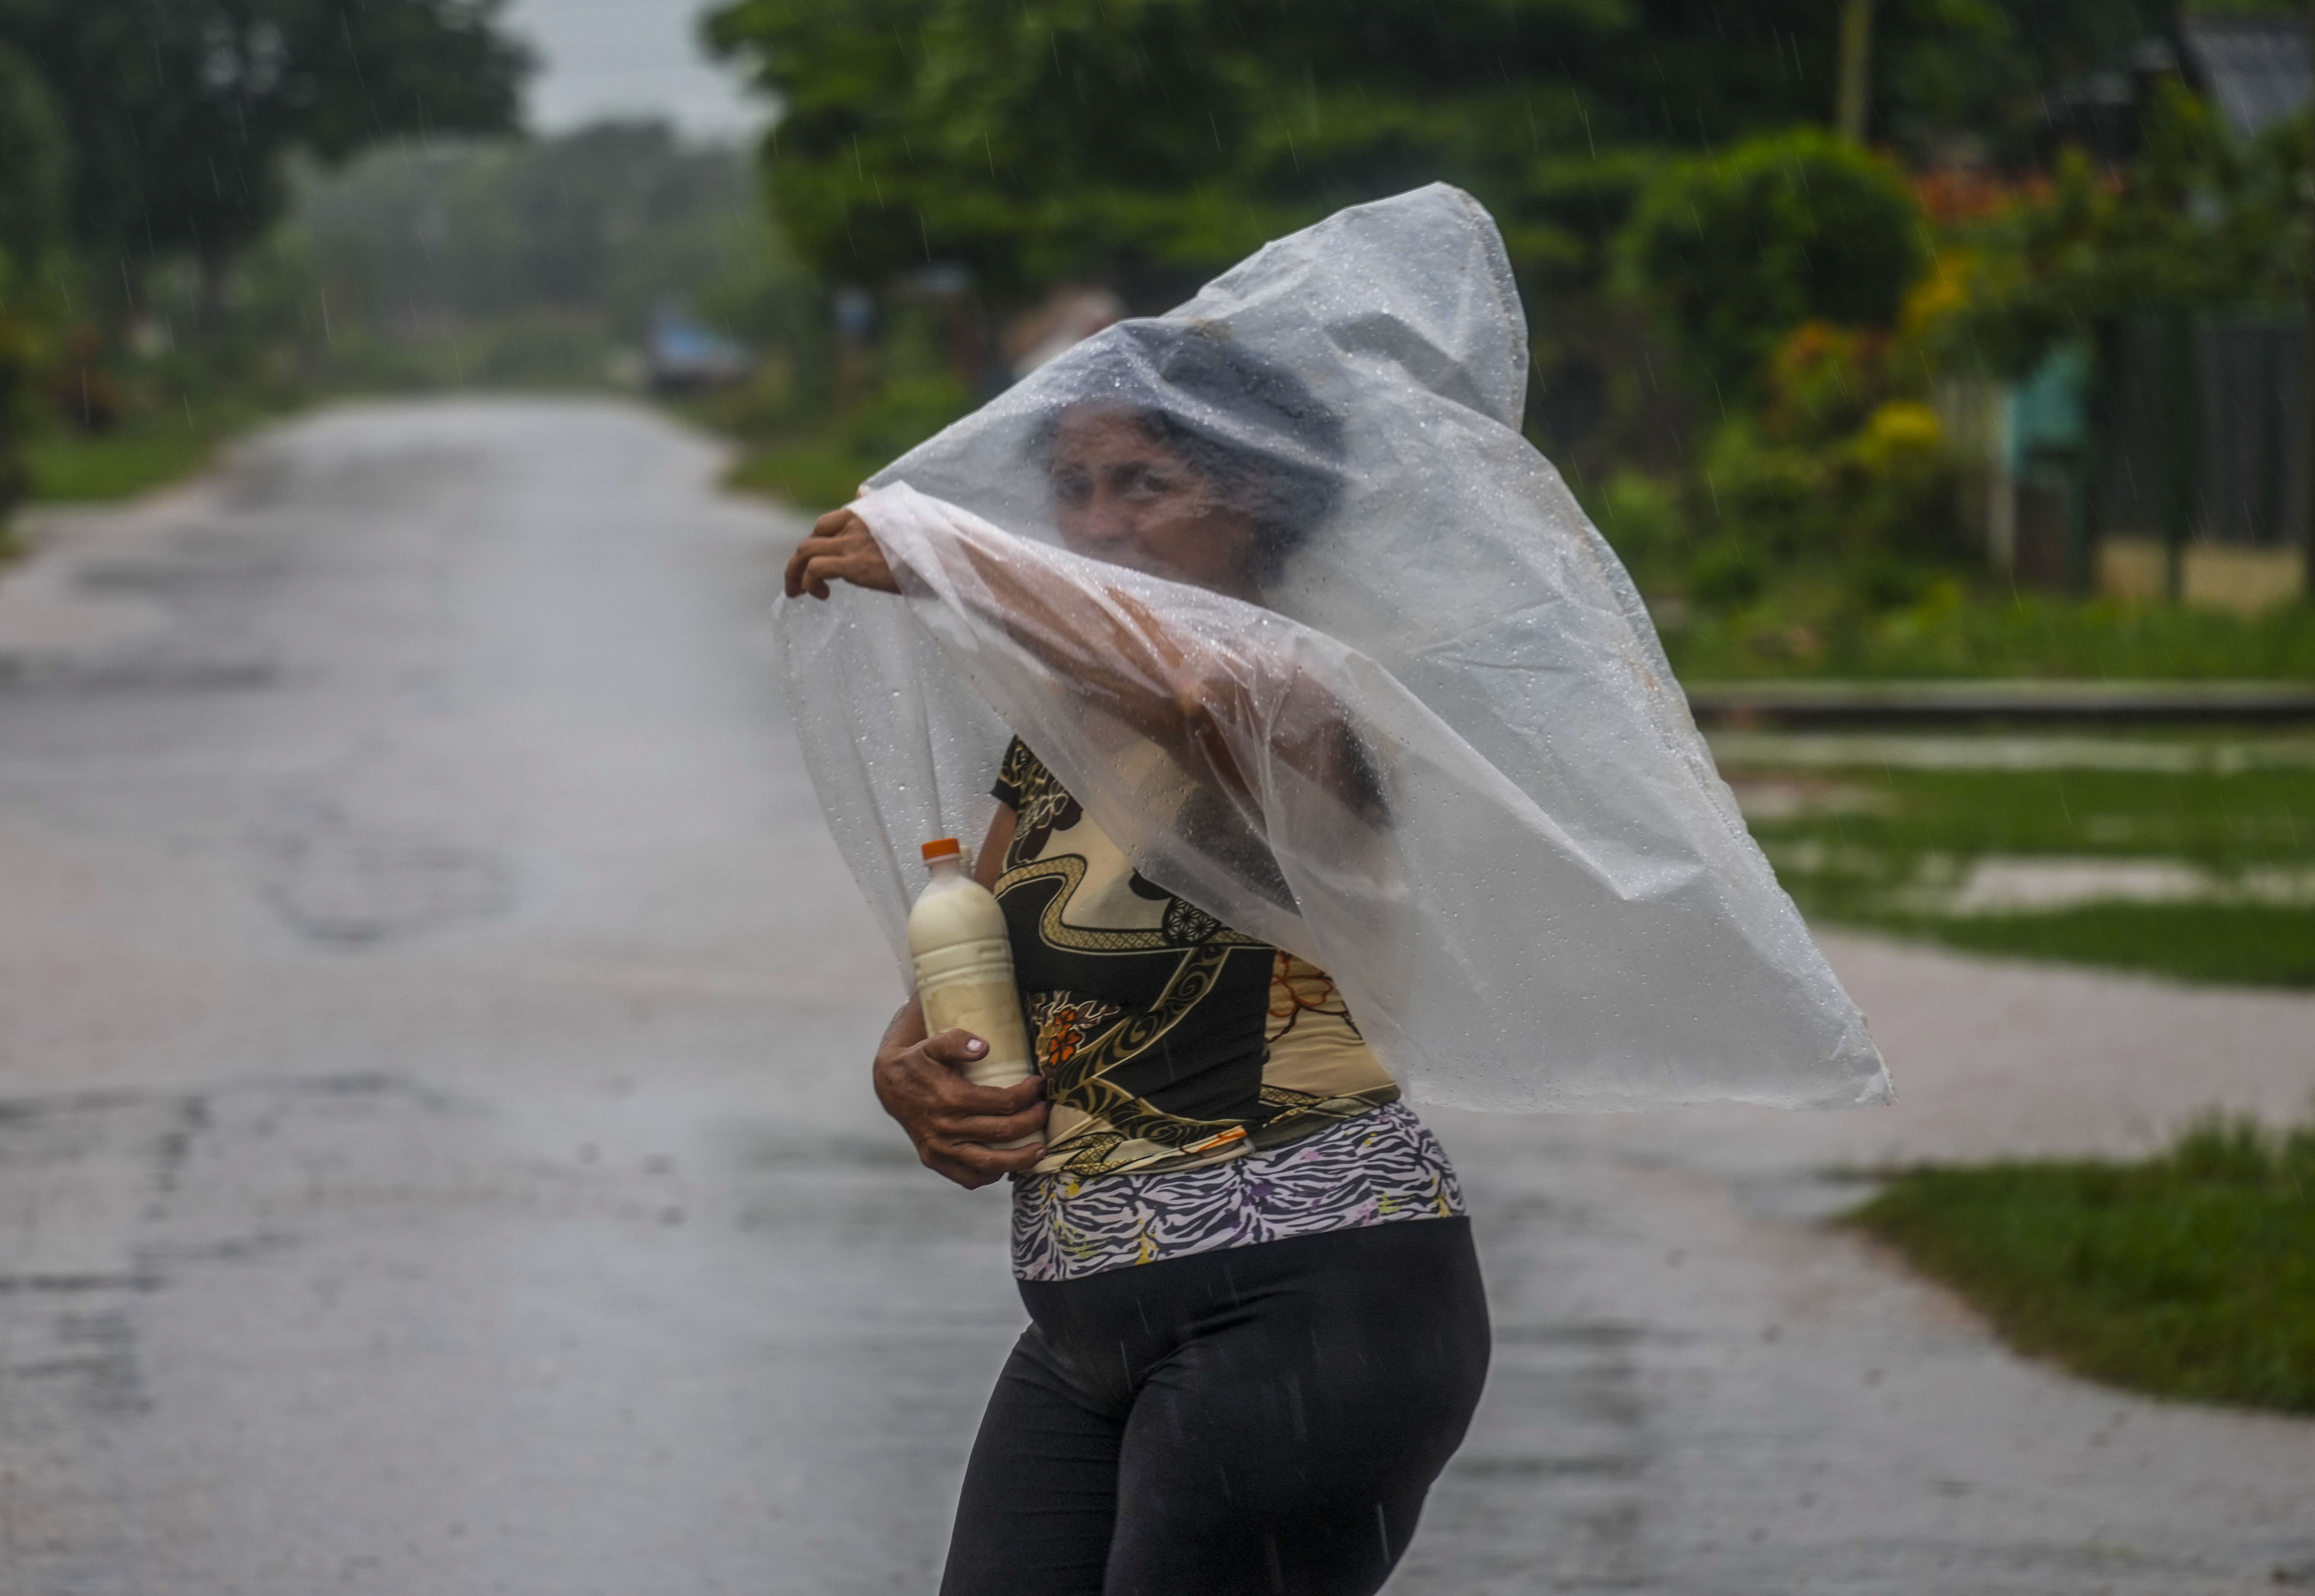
1257,1329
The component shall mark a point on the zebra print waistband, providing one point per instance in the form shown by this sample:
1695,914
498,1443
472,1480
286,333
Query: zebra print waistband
1377,1169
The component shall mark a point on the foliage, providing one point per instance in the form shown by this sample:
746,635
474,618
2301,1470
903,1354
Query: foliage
31,210
2198,222
72,466
1875,505
1147,142
1975,75
1782,269
615,220
1832,497
33,162
2188,1275
462,264
1641,515
1949,632
181,116
20,368
1738,250
2202,812
813,453
2255,944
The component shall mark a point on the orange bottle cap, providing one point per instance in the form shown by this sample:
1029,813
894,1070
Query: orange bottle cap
942,848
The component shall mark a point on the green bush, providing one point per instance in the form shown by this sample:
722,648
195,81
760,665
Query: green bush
1736,251
1950,631
19,374
1642,519
813,468
1864,522
33,160
32,165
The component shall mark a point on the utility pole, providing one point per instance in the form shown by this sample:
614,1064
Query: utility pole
1853,110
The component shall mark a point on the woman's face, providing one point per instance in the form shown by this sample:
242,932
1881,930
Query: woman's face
1124,497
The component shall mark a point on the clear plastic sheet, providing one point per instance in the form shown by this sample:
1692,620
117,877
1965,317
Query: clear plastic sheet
1443,756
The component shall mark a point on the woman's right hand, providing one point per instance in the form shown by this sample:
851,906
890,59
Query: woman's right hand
838,548
920,1081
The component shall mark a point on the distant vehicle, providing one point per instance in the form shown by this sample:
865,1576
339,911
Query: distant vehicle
680,355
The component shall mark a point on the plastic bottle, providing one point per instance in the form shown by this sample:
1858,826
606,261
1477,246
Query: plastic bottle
964,969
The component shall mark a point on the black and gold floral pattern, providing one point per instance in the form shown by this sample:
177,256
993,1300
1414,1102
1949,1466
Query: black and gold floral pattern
1168,1039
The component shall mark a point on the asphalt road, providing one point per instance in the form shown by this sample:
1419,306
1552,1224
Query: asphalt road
435,1154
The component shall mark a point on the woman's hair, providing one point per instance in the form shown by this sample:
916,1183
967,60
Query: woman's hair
1252,428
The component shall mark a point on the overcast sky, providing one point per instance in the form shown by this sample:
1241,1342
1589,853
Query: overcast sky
625,58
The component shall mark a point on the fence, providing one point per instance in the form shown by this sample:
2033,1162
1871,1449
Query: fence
2199,475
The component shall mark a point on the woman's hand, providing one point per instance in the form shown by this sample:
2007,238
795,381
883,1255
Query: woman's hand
920,1081
840,548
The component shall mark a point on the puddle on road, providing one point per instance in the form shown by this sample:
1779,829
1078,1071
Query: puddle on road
343,879
226,1315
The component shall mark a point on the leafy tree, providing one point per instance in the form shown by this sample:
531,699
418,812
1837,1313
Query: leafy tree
32,162
181,113
611,218
1976,73
31,210
1148,141
2199,222
1740,251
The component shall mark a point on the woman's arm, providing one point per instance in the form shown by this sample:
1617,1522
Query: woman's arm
1143,670
920,1081
1182,691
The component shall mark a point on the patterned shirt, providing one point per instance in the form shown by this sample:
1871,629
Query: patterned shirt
1206,1090
1166,1039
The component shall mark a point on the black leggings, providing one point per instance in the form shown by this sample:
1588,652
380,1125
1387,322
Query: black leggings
1265,1419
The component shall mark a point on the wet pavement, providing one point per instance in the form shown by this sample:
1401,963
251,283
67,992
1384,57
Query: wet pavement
435,1152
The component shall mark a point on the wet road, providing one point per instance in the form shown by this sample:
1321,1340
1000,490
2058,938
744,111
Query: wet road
435,1155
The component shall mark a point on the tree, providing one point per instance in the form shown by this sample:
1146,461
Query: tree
182,113
2198,223
32,162
1149,141
31,216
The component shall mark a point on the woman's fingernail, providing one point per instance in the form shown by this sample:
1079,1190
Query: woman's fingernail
976,1047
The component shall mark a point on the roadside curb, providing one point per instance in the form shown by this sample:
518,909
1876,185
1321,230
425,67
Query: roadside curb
1738,704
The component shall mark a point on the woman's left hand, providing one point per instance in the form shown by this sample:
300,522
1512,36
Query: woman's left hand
840,548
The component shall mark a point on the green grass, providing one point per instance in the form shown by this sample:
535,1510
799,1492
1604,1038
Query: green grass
814,455
2223,819
1882,844
84,468
1957,634
2243,943
2189,1275
812,477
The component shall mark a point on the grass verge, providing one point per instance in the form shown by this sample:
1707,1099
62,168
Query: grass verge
90,468
1956,635
810,477
2189,1275
2241,943
1895,849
